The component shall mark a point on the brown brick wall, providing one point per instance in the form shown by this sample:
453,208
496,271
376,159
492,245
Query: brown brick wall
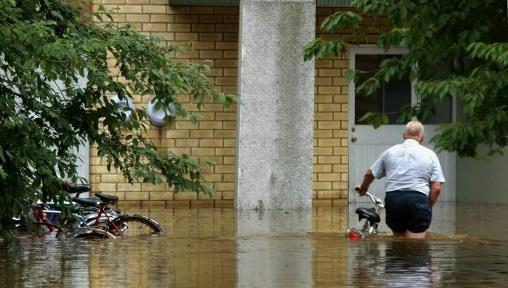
213,34
331,142
330,126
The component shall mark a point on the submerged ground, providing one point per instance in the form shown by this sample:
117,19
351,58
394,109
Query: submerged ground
223,248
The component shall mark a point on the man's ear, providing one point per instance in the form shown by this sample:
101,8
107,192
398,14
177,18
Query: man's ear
421,139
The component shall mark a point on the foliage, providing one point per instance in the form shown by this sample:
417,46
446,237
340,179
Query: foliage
456,49
46,46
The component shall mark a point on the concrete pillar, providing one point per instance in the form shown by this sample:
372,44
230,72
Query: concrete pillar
275,116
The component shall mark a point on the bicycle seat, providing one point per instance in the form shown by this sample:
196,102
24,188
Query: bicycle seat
77,188
107,198
369,213
87,202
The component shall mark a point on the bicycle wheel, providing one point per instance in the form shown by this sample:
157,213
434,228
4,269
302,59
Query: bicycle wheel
133,226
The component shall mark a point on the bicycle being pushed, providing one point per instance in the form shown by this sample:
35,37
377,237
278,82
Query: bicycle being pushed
368,218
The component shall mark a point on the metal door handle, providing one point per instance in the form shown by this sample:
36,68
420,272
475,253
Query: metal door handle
354,139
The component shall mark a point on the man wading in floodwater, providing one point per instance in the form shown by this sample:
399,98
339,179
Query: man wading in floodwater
413,183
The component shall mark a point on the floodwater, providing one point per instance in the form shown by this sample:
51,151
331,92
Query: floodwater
467,247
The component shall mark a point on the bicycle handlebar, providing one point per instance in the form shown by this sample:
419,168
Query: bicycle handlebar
377,201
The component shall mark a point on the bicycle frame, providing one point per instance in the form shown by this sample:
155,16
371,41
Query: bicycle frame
103,216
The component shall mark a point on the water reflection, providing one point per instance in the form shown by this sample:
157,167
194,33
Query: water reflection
403,263
223,248
41,263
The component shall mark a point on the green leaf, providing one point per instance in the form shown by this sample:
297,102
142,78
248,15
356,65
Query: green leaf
350,75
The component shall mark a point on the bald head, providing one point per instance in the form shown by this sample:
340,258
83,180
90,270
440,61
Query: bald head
414,130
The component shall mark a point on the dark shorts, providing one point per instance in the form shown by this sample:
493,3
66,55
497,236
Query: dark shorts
408,211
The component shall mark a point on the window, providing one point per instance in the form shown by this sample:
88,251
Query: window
391,97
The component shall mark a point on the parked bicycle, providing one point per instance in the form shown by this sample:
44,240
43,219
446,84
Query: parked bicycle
368,218
98,213
91,217
45,221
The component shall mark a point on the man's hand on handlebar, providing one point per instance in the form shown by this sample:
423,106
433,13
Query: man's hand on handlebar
358,189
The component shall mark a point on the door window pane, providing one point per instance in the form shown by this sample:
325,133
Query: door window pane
390,97
443,112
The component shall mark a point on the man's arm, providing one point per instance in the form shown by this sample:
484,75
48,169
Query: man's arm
367,179
435,189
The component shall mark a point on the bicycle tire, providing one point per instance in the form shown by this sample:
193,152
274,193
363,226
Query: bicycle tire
134,226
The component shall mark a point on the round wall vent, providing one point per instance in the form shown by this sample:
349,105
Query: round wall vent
157,115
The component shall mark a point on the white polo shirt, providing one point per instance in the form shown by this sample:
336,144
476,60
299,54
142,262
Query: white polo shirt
408,166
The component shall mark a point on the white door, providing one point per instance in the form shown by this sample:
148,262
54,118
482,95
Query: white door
367,143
